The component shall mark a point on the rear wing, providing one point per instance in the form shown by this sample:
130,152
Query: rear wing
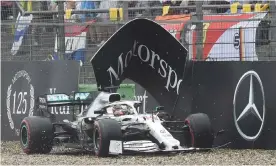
62,99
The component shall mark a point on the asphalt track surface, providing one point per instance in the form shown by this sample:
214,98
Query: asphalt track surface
11,154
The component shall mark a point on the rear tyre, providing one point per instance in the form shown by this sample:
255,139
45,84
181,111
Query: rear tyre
36,135
200,131
105,130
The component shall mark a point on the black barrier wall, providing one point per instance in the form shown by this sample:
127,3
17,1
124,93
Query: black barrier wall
237,96
22,82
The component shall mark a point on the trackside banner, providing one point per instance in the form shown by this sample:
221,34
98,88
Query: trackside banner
238,97
222,40
23,82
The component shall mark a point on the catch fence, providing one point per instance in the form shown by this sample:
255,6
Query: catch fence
210,30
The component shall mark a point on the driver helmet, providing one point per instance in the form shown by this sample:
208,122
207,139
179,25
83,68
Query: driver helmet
118,110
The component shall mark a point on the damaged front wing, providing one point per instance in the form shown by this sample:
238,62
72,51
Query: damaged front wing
150,147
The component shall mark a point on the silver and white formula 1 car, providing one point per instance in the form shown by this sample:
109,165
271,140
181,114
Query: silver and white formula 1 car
111,126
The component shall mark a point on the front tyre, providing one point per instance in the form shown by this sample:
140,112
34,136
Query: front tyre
105,130
36,135
200,131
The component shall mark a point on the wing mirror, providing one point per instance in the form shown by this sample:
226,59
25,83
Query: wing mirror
102,111
159,108
136,105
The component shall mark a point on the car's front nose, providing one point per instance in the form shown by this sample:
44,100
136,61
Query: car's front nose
140,146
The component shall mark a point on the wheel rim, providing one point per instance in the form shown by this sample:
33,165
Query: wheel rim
190,135
24,135
97,139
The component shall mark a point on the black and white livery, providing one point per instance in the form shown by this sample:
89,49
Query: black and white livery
111,126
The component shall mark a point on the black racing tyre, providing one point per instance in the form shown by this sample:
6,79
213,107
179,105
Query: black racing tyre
36,135
104,131
200,130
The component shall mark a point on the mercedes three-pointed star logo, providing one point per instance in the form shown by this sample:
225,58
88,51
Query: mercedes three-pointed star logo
250,107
